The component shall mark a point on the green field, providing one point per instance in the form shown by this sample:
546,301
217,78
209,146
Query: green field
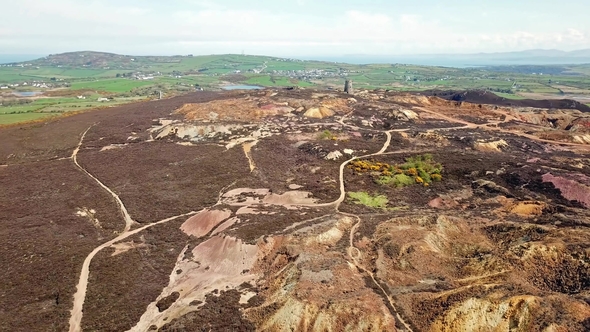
6,119
98,75
265,80
509,96
110,85
47,107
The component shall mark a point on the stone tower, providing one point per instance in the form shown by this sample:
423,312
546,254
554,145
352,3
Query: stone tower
348,87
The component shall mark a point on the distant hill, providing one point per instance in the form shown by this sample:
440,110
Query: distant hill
111,61
92,59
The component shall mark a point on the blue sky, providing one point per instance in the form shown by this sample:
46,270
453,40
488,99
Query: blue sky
292,27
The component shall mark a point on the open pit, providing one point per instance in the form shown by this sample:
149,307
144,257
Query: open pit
299,210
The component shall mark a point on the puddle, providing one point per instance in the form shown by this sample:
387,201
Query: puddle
242,87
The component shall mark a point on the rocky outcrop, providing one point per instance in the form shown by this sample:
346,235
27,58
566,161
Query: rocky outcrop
319,112
570,189
491,146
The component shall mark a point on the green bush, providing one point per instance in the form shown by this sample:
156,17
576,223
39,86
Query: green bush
424,175
420,169
363,198
326,134
424,162
398,180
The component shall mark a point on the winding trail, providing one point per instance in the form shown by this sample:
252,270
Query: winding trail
499,129
353,252
80,295
352,249
128,221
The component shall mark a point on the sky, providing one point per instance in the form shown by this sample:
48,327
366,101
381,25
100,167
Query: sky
292,28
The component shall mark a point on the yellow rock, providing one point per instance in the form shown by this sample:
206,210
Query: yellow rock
319,112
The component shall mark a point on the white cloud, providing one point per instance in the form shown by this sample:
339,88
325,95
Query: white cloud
6,32
364,19
208,26
574,34
77,11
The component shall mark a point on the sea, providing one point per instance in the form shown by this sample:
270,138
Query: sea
445,60
10,58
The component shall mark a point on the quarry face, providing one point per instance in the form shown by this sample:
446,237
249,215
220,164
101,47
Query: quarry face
298,210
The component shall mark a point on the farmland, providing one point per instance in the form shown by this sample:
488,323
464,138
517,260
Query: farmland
110,85
85,77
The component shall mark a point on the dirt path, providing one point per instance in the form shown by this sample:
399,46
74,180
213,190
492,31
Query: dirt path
386,144
353,229
485,127
128,221
248,152
80,295
353,252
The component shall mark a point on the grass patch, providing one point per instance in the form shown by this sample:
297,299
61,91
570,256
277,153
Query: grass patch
363,198
509,96
274,80
23,117
398,180
19,109
115,85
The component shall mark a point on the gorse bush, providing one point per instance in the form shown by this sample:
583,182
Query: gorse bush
424,163
420,169
436,177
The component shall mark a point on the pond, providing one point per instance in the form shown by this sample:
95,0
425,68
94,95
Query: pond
242,87
27,93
